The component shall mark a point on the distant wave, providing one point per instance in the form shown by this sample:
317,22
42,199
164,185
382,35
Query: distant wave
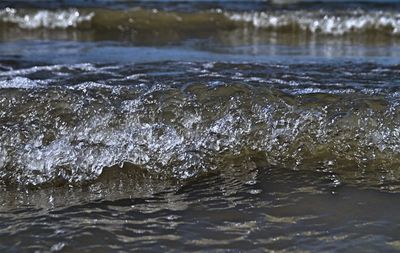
335,23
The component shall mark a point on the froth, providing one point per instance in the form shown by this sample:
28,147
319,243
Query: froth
323,22
44,18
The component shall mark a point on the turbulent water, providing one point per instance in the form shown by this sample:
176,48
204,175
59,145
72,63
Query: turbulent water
179,119
199,126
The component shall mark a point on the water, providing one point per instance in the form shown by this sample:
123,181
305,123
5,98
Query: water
199,126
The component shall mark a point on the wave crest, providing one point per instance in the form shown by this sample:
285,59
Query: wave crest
45,18
324,23
335,23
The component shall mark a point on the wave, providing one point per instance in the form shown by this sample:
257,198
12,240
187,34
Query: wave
70,131
334,22
338,23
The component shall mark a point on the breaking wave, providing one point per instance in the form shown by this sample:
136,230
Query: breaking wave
208,117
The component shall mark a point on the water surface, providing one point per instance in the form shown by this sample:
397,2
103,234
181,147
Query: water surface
199,126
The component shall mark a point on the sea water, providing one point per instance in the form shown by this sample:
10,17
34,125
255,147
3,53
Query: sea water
218,126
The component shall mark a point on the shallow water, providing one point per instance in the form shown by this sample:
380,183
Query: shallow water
266,209
199,126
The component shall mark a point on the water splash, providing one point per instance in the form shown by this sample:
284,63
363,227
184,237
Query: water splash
70,132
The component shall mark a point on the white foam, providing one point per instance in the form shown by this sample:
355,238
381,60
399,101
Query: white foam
18,83
27,71
45,18
322,22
